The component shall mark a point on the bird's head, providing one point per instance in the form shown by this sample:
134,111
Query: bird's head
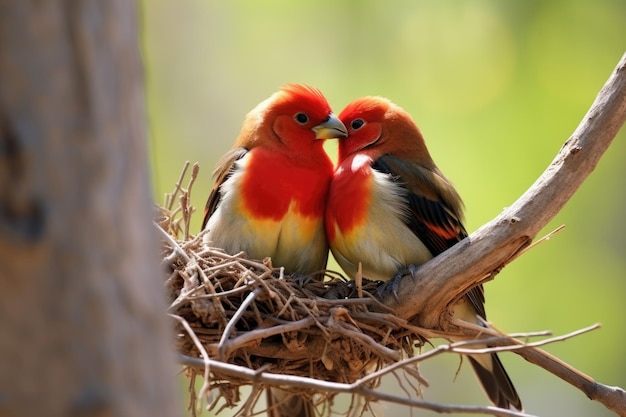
376,127
295,117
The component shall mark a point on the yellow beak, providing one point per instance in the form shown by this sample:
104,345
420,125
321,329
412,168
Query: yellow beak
330,128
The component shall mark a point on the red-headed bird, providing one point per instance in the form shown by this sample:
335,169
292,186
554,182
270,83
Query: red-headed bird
390,208
270,192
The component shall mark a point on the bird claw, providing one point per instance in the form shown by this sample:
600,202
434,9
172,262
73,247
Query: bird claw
387,287
393,285
411,269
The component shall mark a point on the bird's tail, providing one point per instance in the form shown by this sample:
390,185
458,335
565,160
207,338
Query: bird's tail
281,403
487,366
495,380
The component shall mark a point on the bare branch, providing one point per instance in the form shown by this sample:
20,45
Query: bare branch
486,251
361,387
613,398
355,388
203,352
425,296
223,345
498,343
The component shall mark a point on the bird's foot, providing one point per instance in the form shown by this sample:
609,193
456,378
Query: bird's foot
409,270
393,285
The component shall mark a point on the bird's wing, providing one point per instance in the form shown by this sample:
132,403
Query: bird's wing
436,223
222,172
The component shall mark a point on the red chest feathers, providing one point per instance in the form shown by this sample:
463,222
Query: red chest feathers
271,184
350,195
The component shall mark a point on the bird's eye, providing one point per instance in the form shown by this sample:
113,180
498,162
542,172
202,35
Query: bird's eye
356,124
301,118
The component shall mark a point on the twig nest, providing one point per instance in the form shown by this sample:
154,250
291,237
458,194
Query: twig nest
246,312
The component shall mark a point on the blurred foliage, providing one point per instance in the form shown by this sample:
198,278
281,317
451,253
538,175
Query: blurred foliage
496,86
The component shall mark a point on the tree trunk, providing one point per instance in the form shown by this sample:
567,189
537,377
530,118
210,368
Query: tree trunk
82,323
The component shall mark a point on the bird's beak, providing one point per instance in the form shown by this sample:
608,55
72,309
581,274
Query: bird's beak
330,128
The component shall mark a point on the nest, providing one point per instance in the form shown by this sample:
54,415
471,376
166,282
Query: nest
248,313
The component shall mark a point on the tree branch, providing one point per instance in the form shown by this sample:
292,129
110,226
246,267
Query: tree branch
355,388
425,296
486,251
360,386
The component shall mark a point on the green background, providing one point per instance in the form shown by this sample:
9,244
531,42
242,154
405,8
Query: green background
496,87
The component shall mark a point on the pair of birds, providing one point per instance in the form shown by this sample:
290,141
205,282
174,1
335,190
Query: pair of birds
386,205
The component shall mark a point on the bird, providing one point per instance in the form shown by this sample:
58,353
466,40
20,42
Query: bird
269,194
390,209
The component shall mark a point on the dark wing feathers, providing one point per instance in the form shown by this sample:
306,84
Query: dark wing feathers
433,224
430,218
222,172
436,223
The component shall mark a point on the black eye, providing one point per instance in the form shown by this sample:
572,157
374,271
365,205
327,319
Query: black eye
301,118
356,124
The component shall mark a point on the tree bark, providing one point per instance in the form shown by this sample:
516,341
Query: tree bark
81,306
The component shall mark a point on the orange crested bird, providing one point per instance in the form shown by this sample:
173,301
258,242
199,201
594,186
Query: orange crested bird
391,209
270,194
